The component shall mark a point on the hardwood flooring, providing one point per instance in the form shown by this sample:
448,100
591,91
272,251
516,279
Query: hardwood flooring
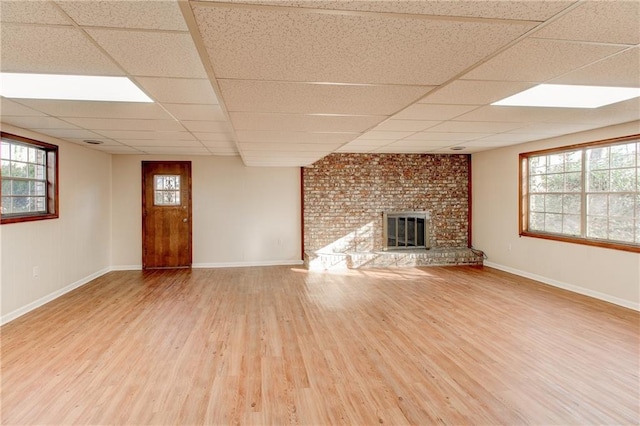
282,345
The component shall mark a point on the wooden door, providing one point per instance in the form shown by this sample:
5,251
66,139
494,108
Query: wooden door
166,214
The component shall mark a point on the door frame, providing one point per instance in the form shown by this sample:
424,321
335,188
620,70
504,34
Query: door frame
189,210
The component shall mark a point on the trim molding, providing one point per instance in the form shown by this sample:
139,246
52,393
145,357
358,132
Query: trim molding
247,264
51,296
220,265
126,268
566,286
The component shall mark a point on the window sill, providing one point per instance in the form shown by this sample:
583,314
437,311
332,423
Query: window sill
27,218
584,241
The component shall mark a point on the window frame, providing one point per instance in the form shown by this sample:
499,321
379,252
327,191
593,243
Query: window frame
523,196
52,179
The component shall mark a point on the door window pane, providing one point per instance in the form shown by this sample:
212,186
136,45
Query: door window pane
166,190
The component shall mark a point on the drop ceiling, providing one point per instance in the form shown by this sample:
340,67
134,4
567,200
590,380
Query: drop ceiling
284,83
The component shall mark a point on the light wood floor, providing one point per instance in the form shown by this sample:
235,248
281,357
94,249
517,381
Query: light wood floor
280,345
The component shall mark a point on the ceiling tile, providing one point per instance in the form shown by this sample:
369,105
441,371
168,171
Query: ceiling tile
630,104
180,150
149,135
69,133
37,122
277,163
487,144
125,124
598,21
393,125
151,54
421,144
509,114
539,60
9,108
293,137
141,143
393,149
378,135
215,151
433,112
196,112
270,155
355,149
88,109
552,129
303,123
620,70
298,147
370,142
533,10
475,92
512,138
475,126
465,150
206,137
56,50
523,115
124,150
152,15
207,126
354,48
601,116
220,145
31,12
179,90
450,136
82,143
309,98
105,142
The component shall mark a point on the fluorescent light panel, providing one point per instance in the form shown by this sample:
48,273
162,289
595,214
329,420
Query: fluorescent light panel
70,87
569,96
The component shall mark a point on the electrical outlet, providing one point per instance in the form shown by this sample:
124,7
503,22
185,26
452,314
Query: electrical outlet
36,271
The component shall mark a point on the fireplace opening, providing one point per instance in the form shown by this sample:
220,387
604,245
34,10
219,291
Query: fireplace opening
406,230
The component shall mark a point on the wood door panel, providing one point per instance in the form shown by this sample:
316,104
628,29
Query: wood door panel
166,229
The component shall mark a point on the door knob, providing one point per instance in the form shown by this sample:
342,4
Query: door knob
185,219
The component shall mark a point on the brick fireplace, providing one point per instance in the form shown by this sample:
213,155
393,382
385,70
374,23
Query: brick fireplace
345,196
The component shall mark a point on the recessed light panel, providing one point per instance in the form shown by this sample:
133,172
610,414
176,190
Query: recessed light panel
570,96
70,87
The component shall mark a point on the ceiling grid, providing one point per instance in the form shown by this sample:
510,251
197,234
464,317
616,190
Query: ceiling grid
286,82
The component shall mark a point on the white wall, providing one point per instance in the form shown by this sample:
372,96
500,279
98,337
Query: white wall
608,274
241,215
70,250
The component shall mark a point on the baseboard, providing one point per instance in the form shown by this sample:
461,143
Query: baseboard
566,286
219,265
248,264
48,298
126,268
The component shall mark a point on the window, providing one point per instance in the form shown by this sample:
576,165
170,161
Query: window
166,190
587,193
29,179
